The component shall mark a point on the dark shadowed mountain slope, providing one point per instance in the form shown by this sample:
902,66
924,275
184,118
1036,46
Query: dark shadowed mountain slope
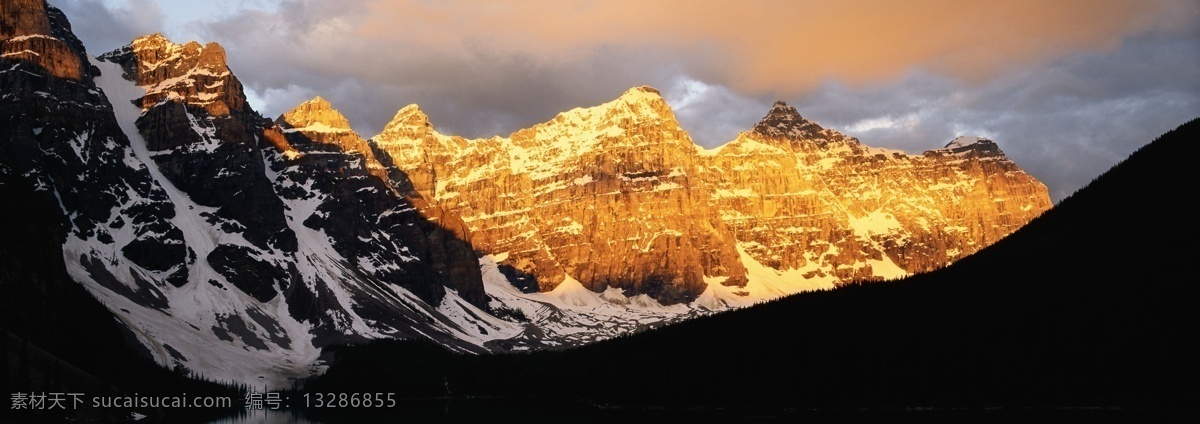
145,177
60,149
56,337
1093,303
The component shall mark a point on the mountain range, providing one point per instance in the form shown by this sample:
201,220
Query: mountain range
238,247
1083,315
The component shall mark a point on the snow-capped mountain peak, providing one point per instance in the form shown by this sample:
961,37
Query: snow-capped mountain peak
642,94
635,106
643,100
150,41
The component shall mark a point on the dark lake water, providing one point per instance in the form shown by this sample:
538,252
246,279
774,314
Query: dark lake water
524,410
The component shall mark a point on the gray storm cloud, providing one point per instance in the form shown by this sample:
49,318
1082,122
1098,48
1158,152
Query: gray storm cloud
1066,88
103,27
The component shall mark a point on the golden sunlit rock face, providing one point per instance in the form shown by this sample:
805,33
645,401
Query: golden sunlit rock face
603,195
320,131
798,196
618,195
194,74
318,121
27,36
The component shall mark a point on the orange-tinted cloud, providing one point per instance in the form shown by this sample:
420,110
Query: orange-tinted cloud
781,46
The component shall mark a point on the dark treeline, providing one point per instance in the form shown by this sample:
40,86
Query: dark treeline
1092,304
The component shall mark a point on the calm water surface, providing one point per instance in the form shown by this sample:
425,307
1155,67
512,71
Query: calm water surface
559,410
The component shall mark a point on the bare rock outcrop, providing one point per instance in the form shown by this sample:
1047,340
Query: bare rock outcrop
618,196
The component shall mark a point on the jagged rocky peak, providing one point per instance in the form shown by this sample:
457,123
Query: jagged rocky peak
971,142
645,100
409,117
408,129
642,104
644,93
191,73
32,32
784,122
513,191
965,140
406,138
315,126
155,51
315,115
637,111
971,145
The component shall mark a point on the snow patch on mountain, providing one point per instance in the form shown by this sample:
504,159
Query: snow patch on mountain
963,141
473,324
875,223
572,293
206,326
213,327
571,314
320,127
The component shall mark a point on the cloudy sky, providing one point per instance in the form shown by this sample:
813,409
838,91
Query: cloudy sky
1067,88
